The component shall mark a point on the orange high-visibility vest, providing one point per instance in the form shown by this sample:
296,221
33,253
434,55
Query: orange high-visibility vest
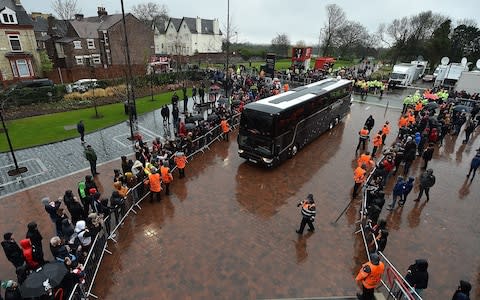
364,159
180,161
363,133
386,129
359,175
419,106
377,140
166,176
403,122
371,279
225,126
155,183
411,119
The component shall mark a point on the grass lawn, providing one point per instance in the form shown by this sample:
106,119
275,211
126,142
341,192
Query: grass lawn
46,129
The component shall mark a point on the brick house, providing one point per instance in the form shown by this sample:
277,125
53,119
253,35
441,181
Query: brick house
19,59
98,41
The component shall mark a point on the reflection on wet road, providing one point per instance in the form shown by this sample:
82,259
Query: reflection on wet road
228,229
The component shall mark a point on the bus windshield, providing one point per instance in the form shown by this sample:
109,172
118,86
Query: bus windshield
259,144
397,76
256,122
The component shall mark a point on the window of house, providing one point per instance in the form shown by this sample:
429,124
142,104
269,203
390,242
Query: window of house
79,60
8,18
96,59
77,44
90,43
23,69
14,68
15,42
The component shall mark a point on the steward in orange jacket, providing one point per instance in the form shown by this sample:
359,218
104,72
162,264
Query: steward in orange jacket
359,176
180,160
377,142
366,159
403,122
363,138
385,131
167,177
225,128
370,275
155,182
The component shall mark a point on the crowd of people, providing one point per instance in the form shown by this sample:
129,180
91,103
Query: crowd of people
421,131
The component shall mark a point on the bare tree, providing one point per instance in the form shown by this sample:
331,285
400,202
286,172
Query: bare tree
467,22
151,13
281,44
65,9
335,20
350,35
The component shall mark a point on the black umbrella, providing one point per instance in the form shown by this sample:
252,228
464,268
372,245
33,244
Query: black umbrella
43,279
222,101
194,118
190,126
461,108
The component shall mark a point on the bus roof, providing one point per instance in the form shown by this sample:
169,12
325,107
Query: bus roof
277,103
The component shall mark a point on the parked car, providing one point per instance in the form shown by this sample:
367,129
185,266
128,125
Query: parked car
82,85
428,78
29,91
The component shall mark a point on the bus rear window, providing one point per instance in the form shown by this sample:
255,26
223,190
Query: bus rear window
256,122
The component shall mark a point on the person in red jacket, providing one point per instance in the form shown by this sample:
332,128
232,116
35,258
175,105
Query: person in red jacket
28,253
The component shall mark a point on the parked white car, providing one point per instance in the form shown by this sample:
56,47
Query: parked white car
82,85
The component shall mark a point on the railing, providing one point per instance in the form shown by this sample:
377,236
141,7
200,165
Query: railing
396,285
131,204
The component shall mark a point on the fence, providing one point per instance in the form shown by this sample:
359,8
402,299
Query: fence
396,285
131,204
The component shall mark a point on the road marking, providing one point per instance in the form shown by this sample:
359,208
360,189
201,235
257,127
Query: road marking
43,169
378,104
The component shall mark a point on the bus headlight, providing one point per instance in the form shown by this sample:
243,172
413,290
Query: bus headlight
240,151
267,160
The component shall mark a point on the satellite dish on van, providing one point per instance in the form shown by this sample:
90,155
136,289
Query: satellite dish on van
464,61
478,64
445,60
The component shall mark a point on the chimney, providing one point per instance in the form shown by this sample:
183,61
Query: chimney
199,25
101,11
17,3
216,28
79,17
51,25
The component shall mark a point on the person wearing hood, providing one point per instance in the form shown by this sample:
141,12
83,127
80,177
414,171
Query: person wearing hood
427,180
397,192
77,211
28,253
68,198
428,155
308,214
84,235
12,251
417,275
463,291
370,276
408,187
36,239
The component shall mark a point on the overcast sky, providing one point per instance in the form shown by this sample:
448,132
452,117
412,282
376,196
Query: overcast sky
258,21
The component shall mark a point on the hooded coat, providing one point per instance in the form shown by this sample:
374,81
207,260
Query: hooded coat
399,187
427,180
13,252
417,275
463,292
408,186
28,254
35,238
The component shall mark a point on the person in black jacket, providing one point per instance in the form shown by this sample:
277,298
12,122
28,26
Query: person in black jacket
369,123
417,275
77,211
428,155
11,290
68,198
427,180
12,251
36,239
463,291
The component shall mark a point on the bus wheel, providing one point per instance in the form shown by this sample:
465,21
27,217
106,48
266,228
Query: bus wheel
294,151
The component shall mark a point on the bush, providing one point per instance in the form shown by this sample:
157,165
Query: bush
27,96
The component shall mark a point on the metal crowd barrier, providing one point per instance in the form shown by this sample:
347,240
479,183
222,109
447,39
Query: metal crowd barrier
395,285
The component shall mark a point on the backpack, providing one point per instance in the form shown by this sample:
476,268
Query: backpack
75,240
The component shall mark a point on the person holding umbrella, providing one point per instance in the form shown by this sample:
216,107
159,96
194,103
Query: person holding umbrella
11,290
43,280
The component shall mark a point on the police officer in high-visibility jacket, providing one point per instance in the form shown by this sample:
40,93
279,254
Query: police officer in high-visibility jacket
370,276
363,138
308,214
359,176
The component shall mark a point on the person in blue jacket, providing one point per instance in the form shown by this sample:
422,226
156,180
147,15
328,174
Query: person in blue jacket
474,165
397,192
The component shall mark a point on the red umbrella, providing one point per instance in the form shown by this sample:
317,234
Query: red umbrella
430,96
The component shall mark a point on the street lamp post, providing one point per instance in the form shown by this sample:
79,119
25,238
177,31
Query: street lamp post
18,170
93,90
152,73
132,110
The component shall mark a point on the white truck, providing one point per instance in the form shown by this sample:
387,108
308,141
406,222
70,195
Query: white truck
420,67
449,76
468,82
403,74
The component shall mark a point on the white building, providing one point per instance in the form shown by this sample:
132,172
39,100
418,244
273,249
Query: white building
188,36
